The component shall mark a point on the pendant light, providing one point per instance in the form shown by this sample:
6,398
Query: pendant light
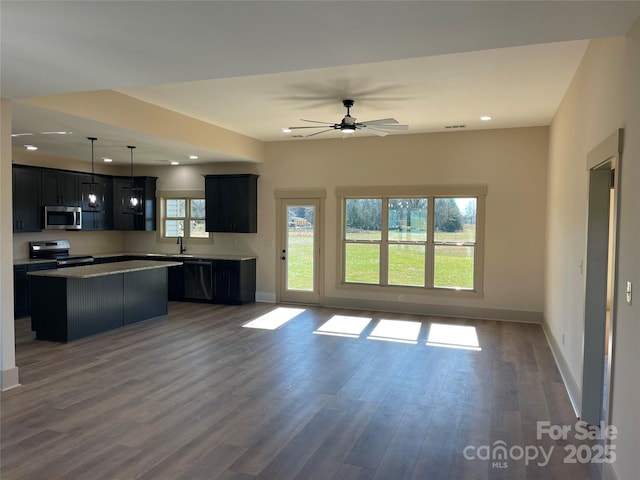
92,192
132,195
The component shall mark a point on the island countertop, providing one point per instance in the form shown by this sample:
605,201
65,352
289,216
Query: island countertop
88,271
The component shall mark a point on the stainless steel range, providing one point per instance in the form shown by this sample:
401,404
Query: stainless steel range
57,250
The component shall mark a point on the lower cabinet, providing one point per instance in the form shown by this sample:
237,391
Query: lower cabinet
229,282
234,281
21,293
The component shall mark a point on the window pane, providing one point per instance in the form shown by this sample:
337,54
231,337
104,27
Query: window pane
455,219
362,263
197,229
453,266
406,265
300,245
363,218
176,207
197,208
408,219
174,228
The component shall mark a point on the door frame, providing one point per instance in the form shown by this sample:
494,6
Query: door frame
601,162
284,196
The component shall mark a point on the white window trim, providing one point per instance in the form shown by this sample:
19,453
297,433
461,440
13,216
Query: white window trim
476,191
161,196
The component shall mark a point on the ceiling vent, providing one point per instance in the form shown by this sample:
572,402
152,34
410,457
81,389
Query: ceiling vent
455,126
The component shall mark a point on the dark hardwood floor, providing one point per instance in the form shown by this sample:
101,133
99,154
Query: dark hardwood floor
194,395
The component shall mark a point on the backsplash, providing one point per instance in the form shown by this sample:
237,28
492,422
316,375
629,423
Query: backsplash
82,243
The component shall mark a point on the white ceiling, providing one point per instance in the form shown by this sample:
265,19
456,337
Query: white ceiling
255,67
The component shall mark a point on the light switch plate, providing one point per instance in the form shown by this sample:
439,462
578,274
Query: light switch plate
629,293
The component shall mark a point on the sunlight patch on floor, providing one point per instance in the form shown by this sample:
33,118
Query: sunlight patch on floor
274,319
402,331
453,336
343,326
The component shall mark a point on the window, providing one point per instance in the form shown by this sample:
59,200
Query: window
416,237
183,217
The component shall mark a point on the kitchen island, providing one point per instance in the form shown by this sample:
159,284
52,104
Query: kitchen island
72,303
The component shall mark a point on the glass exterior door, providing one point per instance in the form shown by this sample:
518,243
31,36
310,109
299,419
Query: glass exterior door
299,251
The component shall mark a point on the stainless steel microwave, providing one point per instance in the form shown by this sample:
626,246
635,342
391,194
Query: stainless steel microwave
62,218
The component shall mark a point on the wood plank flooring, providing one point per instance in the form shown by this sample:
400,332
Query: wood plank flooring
194,395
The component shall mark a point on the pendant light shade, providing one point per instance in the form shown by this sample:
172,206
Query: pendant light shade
131,195
92,192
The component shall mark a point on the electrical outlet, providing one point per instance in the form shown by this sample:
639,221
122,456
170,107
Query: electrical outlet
400,298
629,287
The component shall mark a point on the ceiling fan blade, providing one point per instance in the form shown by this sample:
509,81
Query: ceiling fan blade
380,133
389,127
317,133
297,128
315,121
380,121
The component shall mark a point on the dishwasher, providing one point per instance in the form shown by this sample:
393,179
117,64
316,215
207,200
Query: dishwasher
198,279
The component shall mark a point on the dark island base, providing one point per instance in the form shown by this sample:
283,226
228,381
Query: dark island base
67,309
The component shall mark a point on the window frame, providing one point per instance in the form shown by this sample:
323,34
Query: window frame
187,195
385,193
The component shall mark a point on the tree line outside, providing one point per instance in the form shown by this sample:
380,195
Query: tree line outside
454,222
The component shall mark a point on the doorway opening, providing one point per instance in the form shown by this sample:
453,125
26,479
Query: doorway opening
600,287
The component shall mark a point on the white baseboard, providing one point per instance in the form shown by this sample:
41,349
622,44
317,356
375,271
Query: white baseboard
9,379
436,310
265,297
573,389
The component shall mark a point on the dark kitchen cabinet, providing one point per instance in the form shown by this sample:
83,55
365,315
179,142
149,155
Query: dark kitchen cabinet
234,281
27,211
60,188
231,203
20,291
127,221
176,283
100,217
21,295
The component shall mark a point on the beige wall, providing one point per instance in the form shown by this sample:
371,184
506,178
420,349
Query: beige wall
511,163
626,380
590,112
602,97
8,369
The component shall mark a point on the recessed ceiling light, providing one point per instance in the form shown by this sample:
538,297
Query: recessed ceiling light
176,163
20,134
286,130
30,147
55,133
107,160
486,118
193,157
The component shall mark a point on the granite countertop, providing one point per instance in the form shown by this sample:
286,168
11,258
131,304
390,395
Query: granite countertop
88,271
168,256
176,256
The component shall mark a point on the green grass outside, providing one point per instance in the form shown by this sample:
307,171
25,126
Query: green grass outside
453,264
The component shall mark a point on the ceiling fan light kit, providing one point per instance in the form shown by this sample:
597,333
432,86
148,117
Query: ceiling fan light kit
349,124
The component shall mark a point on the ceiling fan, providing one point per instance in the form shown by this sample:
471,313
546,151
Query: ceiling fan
349,125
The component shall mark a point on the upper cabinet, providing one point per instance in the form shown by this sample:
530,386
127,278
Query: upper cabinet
122,220
35,187
60,188
231,203
27,210
99,217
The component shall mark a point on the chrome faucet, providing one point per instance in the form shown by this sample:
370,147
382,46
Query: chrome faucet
182,248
